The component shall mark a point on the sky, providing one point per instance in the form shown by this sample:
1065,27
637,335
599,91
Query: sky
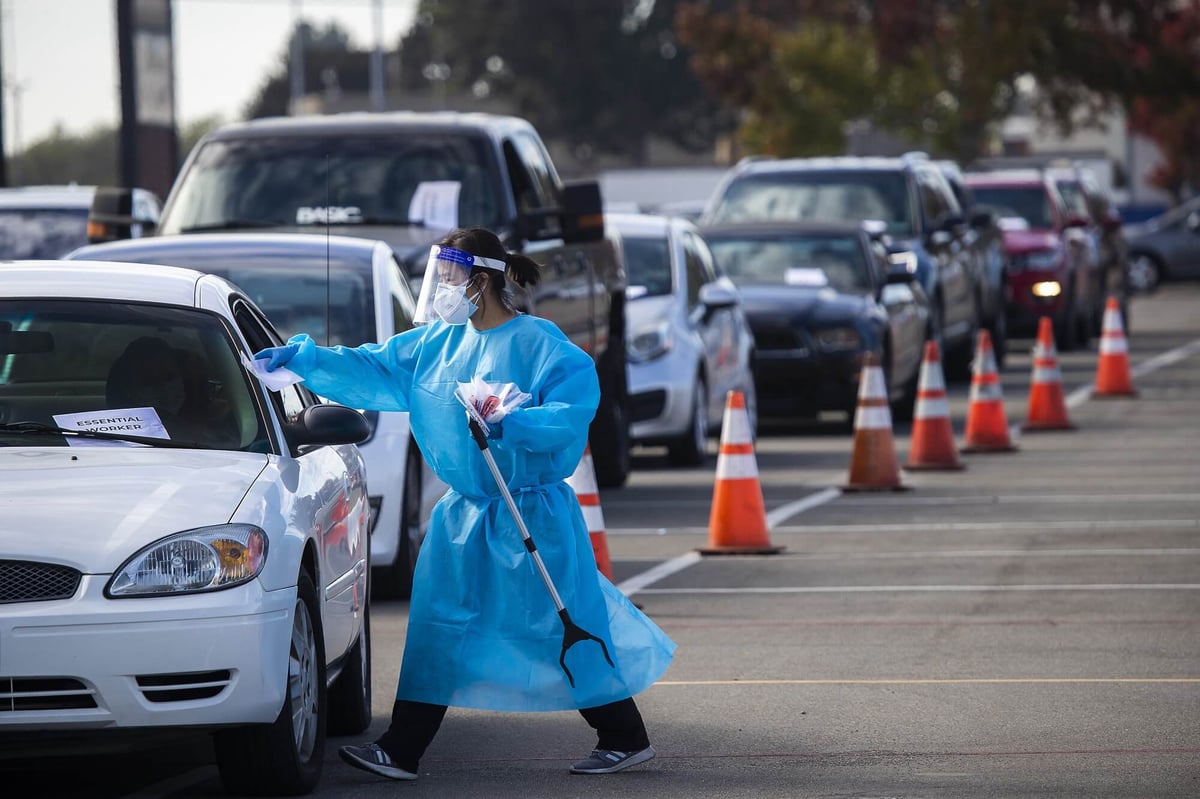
60,56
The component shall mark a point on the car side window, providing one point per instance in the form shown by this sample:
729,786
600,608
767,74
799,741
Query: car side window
708,265
532,177
291,400
694,273
934,202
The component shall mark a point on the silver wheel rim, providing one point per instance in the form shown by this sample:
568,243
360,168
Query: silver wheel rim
1142,274
302,682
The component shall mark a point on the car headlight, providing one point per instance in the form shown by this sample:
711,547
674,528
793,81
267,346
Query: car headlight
1047,288
204,559
839,338
648,344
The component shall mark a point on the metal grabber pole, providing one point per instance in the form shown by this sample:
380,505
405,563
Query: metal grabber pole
572,632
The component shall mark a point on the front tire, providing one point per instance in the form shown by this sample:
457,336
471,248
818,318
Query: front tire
284,758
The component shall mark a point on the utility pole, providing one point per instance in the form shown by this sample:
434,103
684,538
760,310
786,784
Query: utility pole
296,86
376,72
149,146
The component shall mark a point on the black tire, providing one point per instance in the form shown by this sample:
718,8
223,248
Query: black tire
958,362
691,448
350,694
609,437
906,404
394,581
1145,273
1066,327
278,759
999,331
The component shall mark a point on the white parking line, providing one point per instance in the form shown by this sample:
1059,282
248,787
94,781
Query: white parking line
916,589
988,527
963,554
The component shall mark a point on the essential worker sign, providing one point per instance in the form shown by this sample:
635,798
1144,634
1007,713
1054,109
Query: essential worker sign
122,421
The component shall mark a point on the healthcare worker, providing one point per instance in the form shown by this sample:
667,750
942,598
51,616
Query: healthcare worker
482,629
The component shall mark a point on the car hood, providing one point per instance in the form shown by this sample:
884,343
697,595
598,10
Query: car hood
93,507
646,312
800,304
1018,242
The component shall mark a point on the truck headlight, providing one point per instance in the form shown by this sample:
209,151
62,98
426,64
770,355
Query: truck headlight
839,338
204,559
1047,288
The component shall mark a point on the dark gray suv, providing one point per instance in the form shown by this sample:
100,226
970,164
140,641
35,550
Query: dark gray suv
921,222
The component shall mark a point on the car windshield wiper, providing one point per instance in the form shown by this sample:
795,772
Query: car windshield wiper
27,428
233,224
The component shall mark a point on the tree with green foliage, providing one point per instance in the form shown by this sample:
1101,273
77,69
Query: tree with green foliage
330,64
605,76
941,73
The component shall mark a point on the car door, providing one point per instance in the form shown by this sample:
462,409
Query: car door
949,247
714,326
331,499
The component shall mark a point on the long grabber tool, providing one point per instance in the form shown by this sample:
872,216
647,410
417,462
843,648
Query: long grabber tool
572,632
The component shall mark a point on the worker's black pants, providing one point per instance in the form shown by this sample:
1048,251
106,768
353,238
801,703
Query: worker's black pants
619,726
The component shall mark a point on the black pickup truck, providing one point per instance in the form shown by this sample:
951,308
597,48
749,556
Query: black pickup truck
406,178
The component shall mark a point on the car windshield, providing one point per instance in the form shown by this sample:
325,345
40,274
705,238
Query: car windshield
1073,196
297,299
647,266
268,181
816,261
121,368
41,233
1021,202
836,195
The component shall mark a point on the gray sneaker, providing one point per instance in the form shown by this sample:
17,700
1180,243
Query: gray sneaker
606,761
369,757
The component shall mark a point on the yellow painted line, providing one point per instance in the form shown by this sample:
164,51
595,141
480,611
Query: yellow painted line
962,681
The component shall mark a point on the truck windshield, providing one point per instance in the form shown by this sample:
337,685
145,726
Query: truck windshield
42,233
287,181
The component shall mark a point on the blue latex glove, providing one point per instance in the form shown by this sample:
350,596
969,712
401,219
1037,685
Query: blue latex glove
277,356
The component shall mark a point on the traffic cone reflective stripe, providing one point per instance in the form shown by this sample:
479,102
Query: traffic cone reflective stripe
987,425
873,465
932,436
737,524
583,482
1112,371
1047,407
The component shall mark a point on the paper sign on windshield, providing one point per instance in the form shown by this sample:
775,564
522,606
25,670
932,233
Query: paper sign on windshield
801,276
435,204
142,422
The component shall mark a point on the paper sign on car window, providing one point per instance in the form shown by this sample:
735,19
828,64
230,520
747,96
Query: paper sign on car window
435,204
803,276
143,422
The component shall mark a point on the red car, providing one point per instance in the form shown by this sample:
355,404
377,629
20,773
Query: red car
1053,264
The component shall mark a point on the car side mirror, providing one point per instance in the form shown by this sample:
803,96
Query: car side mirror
715,295
982,217
321,425
583,211
901,267
115,215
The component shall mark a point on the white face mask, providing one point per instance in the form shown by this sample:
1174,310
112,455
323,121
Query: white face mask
451,304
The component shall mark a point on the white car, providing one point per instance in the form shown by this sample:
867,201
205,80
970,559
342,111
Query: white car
50,221
688,343
179,547
358,287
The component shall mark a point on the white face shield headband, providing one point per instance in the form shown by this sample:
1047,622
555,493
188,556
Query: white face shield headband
444,290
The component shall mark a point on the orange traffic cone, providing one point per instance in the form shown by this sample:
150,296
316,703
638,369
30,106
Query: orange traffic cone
1047,407
987,426
873,465
737,524
1112,371
932,436
583,481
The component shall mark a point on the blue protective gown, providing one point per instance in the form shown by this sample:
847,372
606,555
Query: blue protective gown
482,628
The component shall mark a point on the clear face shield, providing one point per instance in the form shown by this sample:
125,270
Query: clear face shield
446,293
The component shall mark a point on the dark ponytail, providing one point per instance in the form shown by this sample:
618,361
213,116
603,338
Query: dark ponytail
520,269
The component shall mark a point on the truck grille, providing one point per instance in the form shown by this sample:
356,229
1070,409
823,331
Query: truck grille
27,581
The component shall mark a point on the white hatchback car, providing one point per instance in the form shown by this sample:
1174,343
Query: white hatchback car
178,546
688,343
357,288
